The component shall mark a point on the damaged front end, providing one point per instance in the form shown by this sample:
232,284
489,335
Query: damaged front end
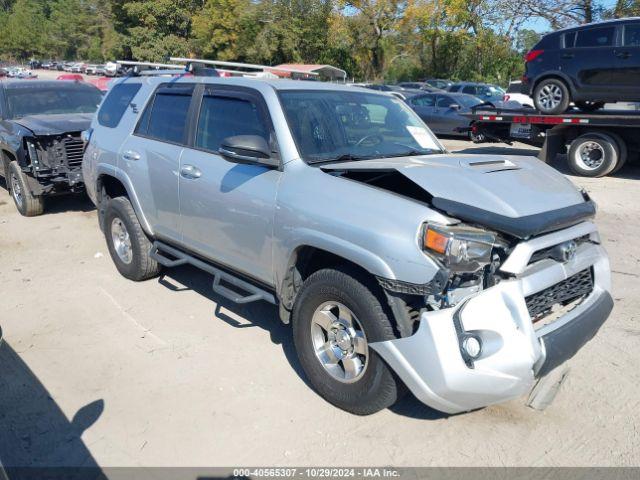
55,162
512,315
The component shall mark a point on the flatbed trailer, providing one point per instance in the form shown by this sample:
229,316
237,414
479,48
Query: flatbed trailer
596,144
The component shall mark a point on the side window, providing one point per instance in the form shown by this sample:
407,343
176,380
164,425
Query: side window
595,37
632,35
455,88
445,102
426,101
116,104
222,117
569,39
165,118
470,89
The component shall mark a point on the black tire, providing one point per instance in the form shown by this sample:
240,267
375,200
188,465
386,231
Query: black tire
120,213
377,387
26,202
556,88
604,156
624,152
589,106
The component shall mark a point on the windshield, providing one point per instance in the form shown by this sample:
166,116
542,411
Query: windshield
338,125
46,101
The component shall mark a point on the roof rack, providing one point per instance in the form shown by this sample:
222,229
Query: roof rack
239,68
202,67
152,68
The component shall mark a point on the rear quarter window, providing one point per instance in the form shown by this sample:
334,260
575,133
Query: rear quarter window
116,103
548,42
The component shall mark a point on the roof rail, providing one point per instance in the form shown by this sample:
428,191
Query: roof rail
152,68
239,68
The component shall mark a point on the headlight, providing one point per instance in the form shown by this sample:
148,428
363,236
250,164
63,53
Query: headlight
461,249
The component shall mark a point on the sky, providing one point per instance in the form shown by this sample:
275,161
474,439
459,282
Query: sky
542,26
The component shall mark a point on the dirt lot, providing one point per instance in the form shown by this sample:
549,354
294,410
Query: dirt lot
99,370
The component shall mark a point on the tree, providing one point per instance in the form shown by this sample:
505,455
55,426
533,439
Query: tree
24,31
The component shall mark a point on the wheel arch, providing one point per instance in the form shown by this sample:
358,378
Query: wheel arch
110,185
557,75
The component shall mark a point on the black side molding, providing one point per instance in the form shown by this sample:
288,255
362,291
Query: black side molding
520,227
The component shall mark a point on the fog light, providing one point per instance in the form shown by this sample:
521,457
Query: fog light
472,346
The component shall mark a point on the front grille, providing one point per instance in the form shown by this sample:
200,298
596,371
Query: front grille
542,303
74,148
549,252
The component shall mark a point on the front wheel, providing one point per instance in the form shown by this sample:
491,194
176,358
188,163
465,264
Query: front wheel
128,245
26,202
336,317
551,96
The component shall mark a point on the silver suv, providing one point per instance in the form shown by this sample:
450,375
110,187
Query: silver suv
465,278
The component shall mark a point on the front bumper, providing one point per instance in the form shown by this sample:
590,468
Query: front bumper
514,353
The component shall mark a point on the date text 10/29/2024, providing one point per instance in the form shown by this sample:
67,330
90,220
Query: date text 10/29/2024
373,472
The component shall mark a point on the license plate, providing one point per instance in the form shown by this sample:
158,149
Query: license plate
520,130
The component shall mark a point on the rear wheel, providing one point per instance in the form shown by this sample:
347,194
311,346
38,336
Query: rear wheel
593,155
26,202
551,96
128,245
336,317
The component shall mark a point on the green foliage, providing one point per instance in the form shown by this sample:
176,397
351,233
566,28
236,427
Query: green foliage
373,40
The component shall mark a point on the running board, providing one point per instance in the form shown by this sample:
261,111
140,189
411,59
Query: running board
245,293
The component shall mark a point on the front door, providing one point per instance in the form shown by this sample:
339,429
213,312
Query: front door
590,60
227,209
626,70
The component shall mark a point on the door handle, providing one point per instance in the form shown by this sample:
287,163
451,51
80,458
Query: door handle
623,54
568,55
191,172
131,155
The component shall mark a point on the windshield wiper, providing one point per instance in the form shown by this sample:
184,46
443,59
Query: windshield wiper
410,153
347,157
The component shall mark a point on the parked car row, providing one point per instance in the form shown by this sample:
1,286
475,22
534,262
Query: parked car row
109,69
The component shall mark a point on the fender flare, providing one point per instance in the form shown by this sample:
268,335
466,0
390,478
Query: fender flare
112,171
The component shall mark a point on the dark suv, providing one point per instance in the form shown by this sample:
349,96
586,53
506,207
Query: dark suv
588,65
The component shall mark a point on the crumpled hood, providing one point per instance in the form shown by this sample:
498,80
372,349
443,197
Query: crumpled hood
510,186
56,124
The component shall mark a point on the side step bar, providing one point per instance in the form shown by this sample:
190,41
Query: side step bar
247,292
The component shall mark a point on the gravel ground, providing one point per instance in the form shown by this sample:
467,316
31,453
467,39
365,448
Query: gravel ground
97,370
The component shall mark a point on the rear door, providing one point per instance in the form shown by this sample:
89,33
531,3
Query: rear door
151,157
227,209
591,58
626,71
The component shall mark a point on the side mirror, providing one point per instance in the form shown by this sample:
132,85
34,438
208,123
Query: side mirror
455,106
247,149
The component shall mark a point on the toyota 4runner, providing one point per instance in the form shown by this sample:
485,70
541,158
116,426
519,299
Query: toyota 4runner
466,278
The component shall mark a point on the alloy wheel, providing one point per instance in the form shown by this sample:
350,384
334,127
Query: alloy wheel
339,342
121,240
16,190
550,96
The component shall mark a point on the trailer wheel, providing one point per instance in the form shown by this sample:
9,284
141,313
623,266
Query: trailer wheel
551,96
624,151
593,155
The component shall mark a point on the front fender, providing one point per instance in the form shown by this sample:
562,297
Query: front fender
110,170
